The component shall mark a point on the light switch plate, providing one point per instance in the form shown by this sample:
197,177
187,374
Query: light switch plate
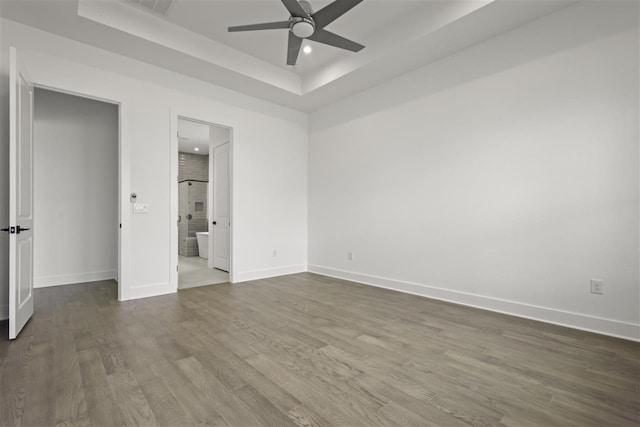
140,208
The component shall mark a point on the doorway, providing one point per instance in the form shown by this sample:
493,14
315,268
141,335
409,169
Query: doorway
75,182
203,214
21,230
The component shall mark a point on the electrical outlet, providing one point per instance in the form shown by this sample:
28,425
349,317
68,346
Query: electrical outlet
350,256
597,286
274,253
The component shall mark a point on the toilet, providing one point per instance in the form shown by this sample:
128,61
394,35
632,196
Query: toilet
203,244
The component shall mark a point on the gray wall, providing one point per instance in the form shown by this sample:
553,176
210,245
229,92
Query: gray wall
192,196
193,166
504,177
75,189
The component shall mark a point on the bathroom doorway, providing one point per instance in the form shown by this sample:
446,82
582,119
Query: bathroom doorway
203,203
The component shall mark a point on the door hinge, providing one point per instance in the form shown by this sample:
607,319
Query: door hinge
120,225
176,268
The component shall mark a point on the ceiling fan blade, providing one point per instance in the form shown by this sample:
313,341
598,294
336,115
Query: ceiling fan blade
265,26
295,9
327,37
333,11
293,49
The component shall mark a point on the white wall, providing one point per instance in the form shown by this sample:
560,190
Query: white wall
75,189
269,161
504,177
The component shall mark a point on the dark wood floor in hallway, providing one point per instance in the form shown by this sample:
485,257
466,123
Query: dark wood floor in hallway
304,350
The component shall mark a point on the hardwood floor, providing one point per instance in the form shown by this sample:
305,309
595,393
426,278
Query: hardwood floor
304,350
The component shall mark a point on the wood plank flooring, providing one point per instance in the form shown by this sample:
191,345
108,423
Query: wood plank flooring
304,350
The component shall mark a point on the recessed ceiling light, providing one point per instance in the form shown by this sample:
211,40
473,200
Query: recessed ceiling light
196,149
307,50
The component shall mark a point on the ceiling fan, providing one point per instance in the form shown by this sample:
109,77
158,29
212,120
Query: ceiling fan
305,24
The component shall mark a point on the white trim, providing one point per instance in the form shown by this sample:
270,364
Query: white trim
173,201
4,312
124,188
266,273
599,325
69,279
153,290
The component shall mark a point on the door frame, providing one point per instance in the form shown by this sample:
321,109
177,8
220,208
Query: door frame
209,119
123,267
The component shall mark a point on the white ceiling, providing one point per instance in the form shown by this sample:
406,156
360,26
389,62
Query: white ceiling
191,38
212,18
193,134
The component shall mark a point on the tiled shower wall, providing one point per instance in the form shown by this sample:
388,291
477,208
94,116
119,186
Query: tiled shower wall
193,166
192,196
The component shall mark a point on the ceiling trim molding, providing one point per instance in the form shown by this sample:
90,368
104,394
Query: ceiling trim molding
435,31
148,26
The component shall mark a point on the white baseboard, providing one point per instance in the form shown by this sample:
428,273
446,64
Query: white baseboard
245,276
4,312
614,328
69,279
147,291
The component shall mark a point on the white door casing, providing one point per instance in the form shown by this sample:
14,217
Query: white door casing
221,208
20,196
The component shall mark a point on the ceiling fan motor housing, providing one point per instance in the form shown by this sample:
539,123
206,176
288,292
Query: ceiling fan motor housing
303,28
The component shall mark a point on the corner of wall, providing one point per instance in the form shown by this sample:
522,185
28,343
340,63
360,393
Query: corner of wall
266,273
147,291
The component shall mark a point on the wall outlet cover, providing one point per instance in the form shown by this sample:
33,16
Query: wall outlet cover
597,286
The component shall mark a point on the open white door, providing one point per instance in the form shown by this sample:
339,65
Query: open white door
20,196
221,208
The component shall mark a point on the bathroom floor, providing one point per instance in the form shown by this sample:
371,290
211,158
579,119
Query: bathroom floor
193,271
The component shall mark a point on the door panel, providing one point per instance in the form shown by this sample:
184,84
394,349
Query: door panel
221,208
25,249
25,150
20,196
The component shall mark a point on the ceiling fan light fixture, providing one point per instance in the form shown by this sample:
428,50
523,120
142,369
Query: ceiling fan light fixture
303,24
303,28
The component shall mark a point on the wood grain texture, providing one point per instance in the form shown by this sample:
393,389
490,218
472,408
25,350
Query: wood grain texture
70,402
304,350
39,387
130,400
13,381
100,400
166,408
